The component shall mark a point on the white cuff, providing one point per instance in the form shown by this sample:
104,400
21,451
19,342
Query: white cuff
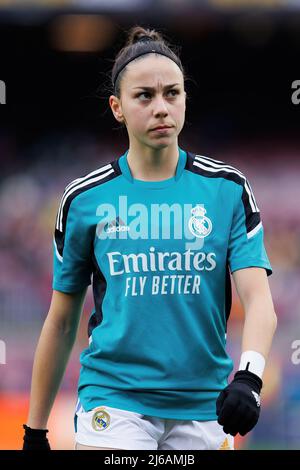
253,362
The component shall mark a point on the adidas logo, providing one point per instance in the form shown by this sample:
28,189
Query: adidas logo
225,445
257,398
116,226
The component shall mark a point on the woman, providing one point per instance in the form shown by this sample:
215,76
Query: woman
160,229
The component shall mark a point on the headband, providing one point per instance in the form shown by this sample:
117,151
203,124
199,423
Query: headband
147,48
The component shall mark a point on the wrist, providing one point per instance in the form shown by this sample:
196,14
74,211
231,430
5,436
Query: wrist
36,423
253,361
34,431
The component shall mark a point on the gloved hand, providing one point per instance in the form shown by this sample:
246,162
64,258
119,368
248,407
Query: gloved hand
35,439
238,405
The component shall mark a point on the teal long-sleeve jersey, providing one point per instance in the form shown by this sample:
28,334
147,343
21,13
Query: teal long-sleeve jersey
159,256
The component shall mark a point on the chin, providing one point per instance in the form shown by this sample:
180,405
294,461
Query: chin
163,143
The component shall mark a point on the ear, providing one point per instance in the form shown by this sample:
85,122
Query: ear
116,108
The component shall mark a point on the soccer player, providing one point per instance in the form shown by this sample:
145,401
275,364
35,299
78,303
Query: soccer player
158,230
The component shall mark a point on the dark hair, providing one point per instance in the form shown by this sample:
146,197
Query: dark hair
138,37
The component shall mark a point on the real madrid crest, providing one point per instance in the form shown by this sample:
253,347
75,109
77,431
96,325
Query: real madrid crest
199,224
101,419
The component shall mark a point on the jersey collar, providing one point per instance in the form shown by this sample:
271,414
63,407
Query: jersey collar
124,167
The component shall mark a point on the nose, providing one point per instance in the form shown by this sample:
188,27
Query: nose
159,106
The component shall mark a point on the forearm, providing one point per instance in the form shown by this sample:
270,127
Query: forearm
259,327
50,361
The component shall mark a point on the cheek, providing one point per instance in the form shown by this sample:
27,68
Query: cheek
137,118
179,112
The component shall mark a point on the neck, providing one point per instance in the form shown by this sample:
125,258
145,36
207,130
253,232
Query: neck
150,164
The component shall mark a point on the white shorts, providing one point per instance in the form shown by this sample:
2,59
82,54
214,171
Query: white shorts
105,426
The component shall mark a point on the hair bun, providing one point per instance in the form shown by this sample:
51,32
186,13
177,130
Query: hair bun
144,39
139,34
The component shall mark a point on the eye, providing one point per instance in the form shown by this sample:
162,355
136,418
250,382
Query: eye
144,93
147,95
174,92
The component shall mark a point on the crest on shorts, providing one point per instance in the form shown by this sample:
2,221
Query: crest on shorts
199,224
100,419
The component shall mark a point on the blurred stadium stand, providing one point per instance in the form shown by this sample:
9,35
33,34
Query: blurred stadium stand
55,57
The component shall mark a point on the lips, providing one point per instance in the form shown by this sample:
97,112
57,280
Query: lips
161,127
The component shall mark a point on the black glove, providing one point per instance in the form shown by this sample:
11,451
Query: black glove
35,439
238,405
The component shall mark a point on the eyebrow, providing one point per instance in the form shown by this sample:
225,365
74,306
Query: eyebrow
149,88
